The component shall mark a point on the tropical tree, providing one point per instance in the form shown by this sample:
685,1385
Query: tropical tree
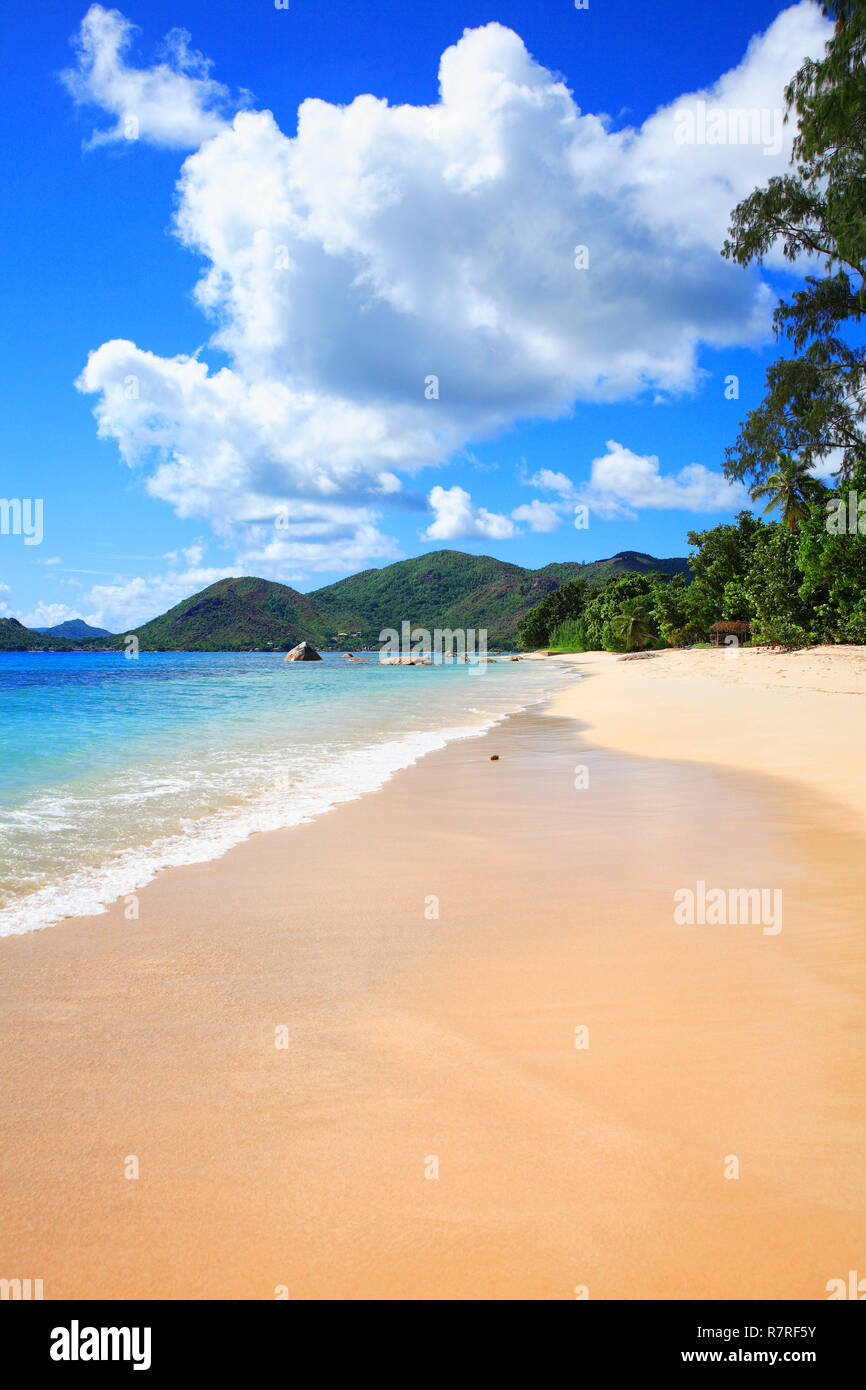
632,624
789,487
832,561
815,402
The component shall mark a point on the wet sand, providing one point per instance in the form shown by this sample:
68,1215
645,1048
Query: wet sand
412,1038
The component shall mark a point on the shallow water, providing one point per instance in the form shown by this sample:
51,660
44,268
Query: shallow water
111,769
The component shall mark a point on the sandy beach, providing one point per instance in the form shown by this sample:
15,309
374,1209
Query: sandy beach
345,1056
799,715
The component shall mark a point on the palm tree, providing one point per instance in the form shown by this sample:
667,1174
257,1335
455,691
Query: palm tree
789,488
632,624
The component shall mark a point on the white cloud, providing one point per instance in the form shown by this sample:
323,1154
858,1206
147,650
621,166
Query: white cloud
242,452
688,191
622,482
191,555
548,481
127,603
828,467
538,515
457,519
175,103
385,244
48,615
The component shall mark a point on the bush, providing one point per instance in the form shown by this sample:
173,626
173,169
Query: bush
570,636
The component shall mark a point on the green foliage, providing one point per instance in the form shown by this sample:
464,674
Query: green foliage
633,623
561,606
444,589
794,586
673,612
604,612
832,562
815,400
448,589
569,636
779,615
789,488
14,637
721,556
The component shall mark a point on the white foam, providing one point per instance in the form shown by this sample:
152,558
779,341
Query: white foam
347,777
324,777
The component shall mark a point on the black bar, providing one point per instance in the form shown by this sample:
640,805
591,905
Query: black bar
243,1338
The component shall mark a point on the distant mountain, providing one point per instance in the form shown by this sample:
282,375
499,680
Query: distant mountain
624,562
75,630
234,615
15,637
448,589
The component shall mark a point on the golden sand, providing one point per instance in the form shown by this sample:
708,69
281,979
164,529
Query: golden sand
418,1042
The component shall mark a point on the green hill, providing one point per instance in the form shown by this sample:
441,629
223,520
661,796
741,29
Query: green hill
75,630
624,562
449,589
234,615
15,637
444,589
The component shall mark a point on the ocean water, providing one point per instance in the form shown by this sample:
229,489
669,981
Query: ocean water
112,769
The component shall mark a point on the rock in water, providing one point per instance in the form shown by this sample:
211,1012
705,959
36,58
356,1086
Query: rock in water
303,652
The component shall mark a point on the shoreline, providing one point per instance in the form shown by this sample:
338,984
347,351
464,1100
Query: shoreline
100,887
411,1038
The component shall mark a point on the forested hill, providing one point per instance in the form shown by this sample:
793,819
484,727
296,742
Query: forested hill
444,589
235,615
448,589
15,637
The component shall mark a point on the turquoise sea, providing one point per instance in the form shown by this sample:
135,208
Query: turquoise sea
112,769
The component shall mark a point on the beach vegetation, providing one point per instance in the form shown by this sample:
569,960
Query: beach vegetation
815,402
795,586
633,624
788,489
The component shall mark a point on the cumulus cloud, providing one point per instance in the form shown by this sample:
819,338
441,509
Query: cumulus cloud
549,481
47,615
382,246
175,103
622,482
191,555
694,159
457,519
126,603
538,515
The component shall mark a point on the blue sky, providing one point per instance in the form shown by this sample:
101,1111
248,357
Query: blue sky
278,420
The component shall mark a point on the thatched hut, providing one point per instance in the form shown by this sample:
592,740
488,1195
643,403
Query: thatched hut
729,627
